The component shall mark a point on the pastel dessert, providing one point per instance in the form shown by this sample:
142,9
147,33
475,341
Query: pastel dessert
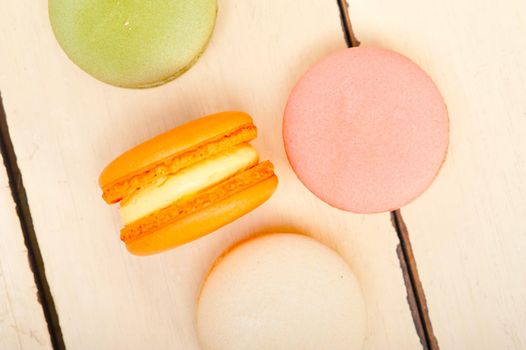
133,43
366,130
187,182
281,291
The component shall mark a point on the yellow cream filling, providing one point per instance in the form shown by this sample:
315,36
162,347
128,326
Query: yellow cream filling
197,177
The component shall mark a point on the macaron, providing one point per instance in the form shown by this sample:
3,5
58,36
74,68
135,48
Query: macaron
187,182
366,130
134,44
281,291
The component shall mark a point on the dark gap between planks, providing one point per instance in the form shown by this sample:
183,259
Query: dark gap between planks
34,256
415,292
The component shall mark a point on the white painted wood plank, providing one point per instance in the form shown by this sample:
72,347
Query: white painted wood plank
469,230
22,322
66,126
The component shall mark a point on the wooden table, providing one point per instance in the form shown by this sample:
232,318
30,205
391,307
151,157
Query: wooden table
468,232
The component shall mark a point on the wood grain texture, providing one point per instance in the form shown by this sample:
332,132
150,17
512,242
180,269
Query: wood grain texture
469,230
66,127
22,322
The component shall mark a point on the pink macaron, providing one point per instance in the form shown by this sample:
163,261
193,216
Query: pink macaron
366,130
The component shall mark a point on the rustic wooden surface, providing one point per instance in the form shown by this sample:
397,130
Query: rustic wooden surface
22,323
469,230
66,126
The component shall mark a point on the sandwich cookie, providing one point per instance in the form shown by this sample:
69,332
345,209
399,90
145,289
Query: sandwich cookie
133,43
281,291
366,130
187,182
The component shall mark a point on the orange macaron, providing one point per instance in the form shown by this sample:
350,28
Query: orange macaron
187,182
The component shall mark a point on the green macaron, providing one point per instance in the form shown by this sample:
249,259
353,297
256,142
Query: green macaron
133,43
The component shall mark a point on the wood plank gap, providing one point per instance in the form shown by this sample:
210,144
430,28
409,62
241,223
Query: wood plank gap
415,291
36,263
348,33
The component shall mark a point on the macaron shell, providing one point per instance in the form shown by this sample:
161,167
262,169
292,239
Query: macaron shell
215,132
366,130
204,221
281,291
133,43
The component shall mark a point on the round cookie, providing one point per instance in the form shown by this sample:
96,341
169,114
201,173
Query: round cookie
187,182
133,43
366,130
281,291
